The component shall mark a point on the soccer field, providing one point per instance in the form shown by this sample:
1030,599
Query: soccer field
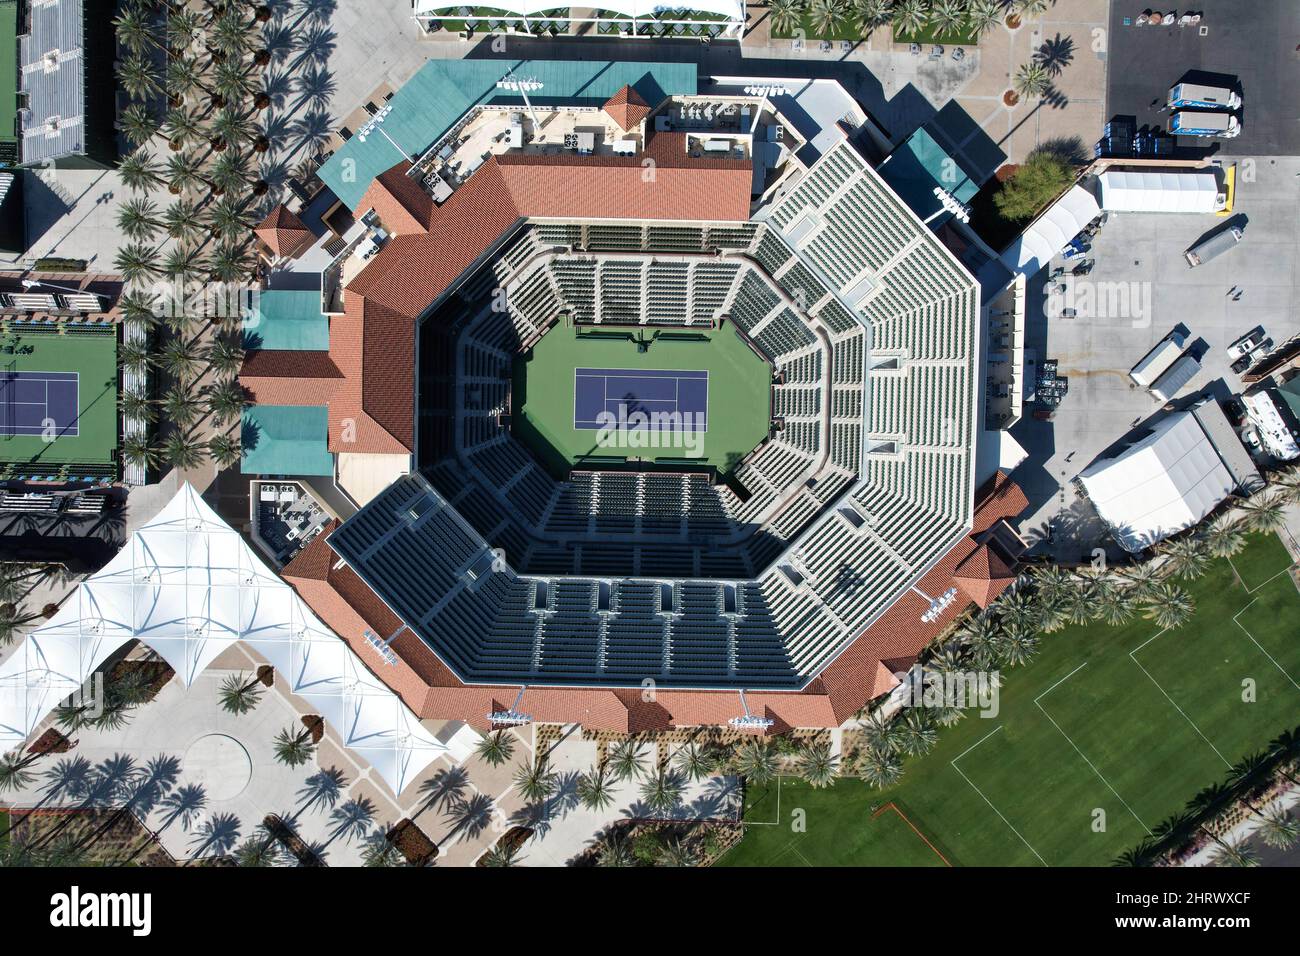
1106,734
710,377
69,382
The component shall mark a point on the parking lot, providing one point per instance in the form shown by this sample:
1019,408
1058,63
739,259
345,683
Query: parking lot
1255,44
1140,289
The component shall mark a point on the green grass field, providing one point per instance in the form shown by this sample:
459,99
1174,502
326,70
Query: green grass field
739,394
94,358
1107,733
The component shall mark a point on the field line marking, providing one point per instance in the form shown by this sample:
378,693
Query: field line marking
1077,750
891,805
1252,640
1132,656
953,762
1270,579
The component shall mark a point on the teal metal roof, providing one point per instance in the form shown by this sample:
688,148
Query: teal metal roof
287,319
286,440
917,166
442,91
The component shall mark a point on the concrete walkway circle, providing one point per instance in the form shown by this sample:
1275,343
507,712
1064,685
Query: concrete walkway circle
220,765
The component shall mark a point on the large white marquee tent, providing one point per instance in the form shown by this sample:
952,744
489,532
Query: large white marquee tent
733,10
188,585
1051,232
1145,191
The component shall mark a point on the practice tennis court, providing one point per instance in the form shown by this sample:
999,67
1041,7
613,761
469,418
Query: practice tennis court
32,402
621,393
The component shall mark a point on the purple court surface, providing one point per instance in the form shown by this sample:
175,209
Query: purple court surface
623,392
29,401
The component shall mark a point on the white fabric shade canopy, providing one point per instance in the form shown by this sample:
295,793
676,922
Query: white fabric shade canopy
189,586
1051,232
732,9
1168,481
1190,191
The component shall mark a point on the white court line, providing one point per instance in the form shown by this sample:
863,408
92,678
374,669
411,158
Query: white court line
1226,762
953,762
1261,648
1076,746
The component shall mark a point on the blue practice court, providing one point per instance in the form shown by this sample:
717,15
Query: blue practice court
29,400
647,391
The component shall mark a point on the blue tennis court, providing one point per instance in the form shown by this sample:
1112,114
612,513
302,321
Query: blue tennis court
623,392
30,400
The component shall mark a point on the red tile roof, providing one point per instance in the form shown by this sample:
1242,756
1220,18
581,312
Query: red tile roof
983,575
626,108
399,201
284,233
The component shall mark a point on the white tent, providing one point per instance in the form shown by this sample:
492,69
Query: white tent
1190,191
1051,232
734,10
1168,481
189,586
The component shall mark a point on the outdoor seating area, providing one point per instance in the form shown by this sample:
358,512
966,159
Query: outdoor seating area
286,518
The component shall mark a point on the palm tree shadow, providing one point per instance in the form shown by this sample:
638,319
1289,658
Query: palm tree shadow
1056,54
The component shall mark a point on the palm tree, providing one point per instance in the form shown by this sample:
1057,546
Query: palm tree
982,16
14,772
226,216
496,748
1239,853
1017,646
910,16
183,173
183,26
183,452
1265,514
755,761
183,220
134,356
825,16
135,261
785,15
534,780
380,852
137,124
880,732
139,172
674,852
226,401
1051,583
225,450
137,77
1286,484
239,695
1118,607
502,854
180,359
258,851
818,766
879,768
134,31
1031,8
693,761
229,35
1224,538
596,789
662,792
1031,80
947,16
916,733
624,760
1143,580
983,637
293,748
1170,606
136,406
869,14
230,263
138,219
229,128
1279,829
1186,558
1080,605
230,82
137,451
614,852
1014,609
182,76
182,127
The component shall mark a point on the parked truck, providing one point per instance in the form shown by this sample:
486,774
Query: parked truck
1200,123
1156,362
1215,245
1194,96
1179,374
